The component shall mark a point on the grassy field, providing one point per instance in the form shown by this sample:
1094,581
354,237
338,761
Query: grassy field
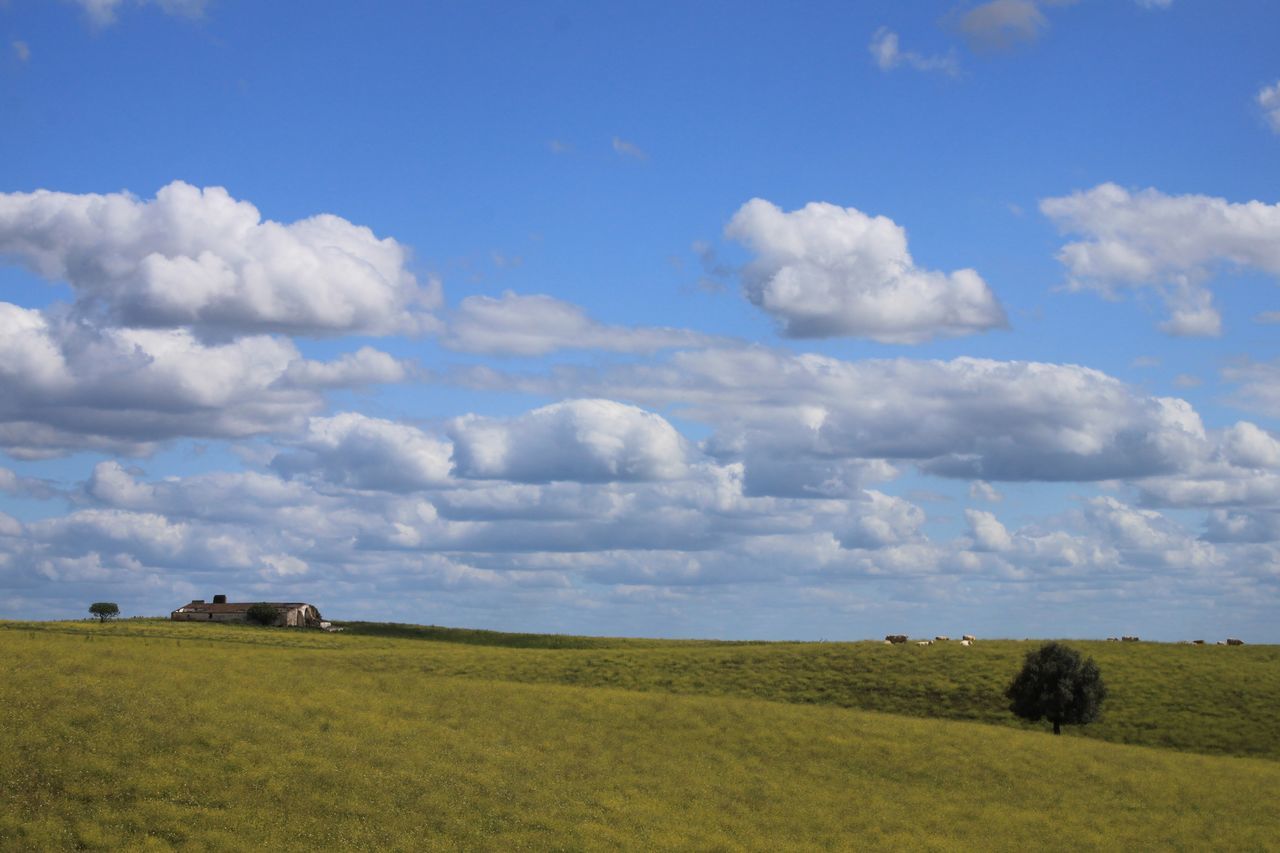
161,735
1213,699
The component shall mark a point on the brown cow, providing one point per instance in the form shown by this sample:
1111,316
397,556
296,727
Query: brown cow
896,638
1232,641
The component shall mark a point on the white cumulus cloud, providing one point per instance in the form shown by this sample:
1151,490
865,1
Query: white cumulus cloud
827,271
1173,244
200,258
988,533
966,418
580,440
365,366
361,452
68,385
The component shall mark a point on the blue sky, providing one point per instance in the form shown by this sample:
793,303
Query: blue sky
736,320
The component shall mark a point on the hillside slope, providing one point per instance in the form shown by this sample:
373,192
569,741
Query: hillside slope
161,739
1210,699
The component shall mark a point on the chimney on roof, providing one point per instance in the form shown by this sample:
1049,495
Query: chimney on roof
219,599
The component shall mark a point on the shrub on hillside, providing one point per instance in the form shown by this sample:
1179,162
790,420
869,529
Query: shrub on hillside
262,614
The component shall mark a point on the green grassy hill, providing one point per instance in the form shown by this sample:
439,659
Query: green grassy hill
1213,699
161,735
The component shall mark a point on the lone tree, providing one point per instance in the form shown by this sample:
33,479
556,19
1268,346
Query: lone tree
262,614
104,610
1058,685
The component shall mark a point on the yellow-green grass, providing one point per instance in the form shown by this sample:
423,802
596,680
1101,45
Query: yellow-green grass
216,737
1215,699
1211,699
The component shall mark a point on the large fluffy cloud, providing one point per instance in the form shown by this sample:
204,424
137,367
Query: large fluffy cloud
1102,536
1171,243
1240,467
351,449
582,440
538,324
826,271
200,258
67,385
559,547
969,418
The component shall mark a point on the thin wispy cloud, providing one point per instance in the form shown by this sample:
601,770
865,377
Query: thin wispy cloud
1002,24
888,55
1269,101
103,12
628,149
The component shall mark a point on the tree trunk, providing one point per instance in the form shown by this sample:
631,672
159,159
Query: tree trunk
1057,727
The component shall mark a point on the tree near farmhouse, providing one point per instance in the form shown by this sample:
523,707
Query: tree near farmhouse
1058,685
262,614
104,610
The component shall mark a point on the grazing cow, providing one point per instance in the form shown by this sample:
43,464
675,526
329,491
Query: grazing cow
896,638
1219,643
941,639
966,642
888,642
1129,639
1232,641
1113,639
924,642
1197,642
970,638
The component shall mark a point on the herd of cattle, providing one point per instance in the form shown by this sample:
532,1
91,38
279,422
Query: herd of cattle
897,639
1229,641
969,640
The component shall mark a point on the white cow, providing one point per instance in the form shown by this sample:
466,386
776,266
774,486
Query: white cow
966,642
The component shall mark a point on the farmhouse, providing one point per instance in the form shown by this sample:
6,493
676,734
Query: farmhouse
291,614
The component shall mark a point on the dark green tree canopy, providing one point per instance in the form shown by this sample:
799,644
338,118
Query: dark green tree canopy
1058,685
262,614
104,610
